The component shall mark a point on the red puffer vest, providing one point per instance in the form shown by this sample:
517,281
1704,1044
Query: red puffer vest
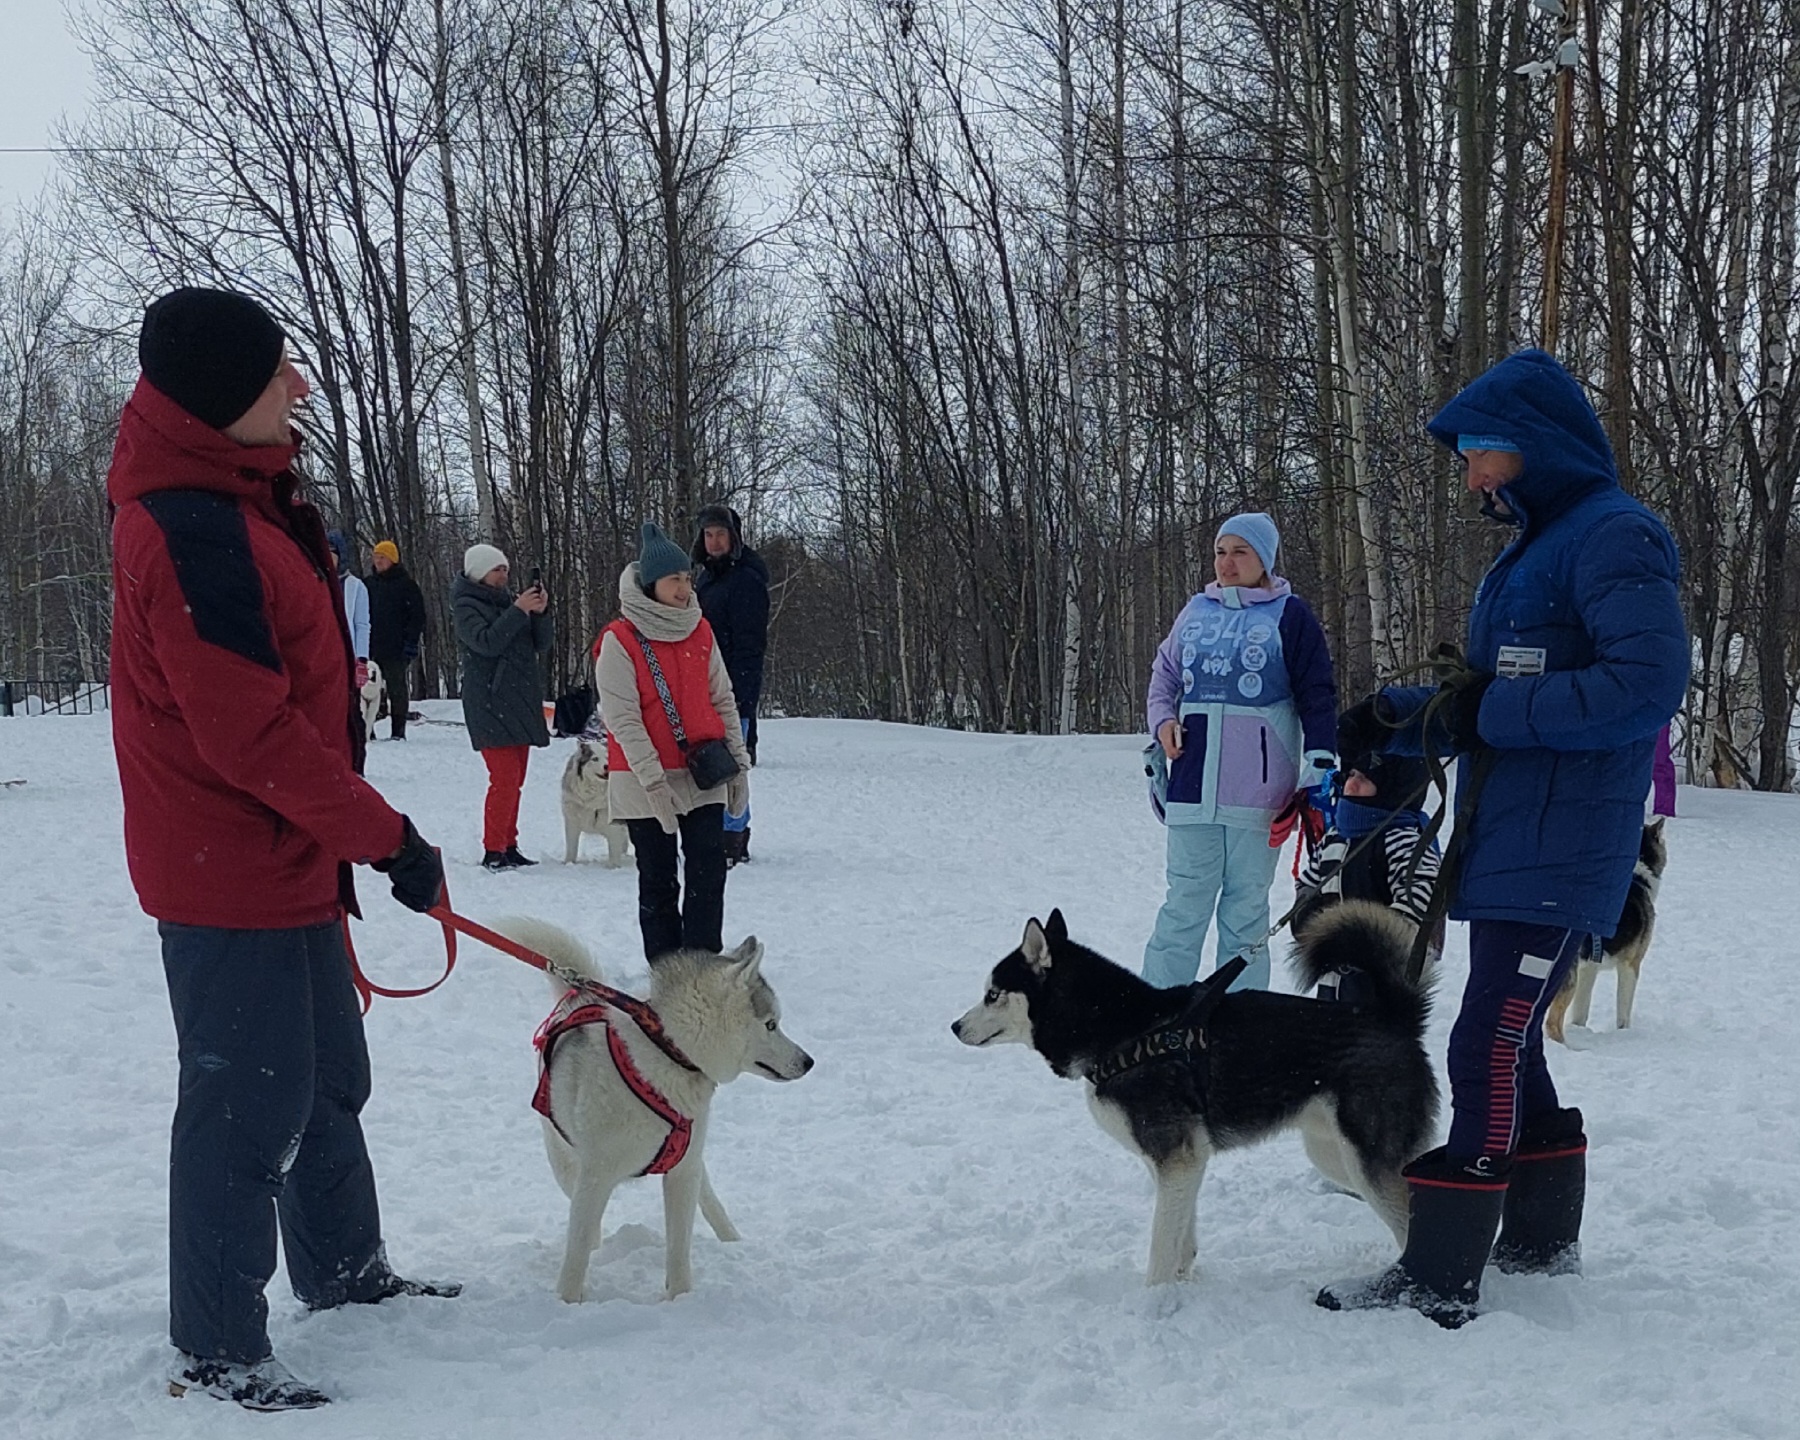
686,665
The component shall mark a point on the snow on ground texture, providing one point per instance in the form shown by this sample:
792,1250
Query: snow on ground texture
938,1241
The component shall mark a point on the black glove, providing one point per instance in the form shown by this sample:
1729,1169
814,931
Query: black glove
416,872
1461,712
1363,731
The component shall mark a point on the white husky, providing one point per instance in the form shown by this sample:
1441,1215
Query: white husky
585,806
373,692
724,1017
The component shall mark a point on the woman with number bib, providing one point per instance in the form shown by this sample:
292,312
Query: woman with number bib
1244,711
672,736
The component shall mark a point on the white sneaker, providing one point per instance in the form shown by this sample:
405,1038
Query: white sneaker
266,1385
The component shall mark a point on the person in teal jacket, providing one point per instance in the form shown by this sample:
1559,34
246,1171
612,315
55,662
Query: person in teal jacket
1243,706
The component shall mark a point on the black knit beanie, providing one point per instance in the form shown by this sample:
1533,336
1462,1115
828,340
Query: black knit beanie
210,351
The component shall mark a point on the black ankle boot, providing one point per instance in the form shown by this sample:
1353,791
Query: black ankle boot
495,860
1453,1209
515,859
1540,1229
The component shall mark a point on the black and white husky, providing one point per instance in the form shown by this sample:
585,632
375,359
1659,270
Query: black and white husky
1174,1075
1624,952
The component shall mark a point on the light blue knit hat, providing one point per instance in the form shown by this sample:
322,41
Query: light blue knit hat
1259,530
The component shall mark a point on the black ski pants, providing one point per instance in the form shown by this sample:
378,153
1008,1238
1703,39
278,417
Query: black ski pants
394,674
274,1074
669,920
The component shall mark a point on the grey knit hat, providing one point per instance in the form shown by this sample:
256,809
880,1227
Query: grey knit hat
658,556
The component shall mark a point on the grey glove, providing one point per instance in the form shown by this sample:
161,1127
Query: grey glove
737,794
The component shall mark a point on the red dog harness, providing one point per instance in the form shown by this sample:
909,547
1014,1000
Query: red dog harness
589,1005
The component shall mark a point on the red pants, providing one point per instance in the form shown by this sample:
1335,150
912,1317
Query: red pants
506,778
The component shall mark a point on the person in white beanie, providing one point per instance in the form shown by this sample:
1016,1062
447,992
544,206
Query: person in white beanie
503,636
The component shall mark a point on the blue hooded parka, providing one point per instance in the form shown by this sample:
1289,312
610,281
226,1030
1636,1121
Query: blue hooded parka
1580,620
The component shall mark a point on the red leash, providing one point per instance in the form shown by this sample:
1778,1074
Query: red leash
586,1003
640,1012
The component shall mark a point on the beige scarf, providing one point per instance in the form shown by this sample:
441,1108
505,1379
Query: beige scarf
656,620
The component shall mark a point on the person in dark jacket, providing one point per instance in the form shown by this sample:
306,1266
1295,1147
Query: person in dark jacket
396,626
503,637
733,585
238,740
1376,848
1577,658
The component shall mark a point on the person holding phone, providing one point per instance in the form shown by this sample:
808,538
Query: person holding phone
503,637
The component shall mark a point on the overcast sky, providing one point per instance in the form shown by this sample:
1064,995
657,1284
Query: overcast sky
45,77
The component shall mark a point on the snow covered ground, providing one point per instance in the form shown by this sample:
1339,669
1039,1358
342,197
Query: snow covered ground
938,1241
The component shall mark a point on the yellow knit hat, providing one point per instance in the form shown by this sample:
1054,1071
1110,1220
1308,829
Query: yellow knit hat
388,551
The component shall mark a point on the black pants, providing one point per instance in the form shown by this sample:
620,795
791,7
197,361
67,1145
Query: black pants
668,921
393,673
274,1073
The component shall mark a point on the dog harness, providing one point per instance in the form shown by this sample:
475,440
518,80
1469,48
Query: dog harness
1182,1037
590,1005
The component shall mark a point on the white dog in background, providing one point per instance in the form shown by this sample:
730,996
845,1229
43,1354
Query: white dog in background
724,1017
584,805
373,692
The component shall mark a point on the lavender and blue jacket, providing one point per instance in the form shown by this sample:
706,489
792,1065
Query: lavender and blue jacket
1248,674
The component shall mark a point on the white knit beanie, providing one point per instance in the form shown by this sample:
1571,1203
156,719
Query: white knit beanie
479,559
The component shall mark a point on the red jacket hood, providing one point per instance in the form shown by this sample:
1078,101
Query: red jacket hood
162,447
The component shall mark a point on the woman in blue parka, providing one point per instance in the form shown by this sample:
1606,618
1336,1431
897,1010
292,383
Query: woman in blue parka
1577,658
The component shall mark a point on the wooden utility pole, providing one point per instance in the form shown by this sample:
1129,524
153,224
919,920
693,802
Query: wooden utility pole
1560,145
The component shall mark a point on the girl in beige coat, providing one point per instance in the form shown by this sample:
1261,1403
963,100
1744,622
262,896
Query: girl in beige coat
660,627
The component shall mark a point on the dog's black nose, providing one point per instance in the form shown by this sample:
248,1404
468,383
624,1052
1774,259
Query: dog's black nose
956,1028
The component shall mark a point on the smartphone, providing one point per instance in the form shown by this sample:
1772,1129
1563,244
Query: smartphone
537,578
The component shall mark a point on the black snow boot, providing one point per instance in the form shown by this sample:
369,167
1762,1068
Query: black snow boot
392,1287
495,860
736,847
1453,1211
266,1385
1540,1228
515,859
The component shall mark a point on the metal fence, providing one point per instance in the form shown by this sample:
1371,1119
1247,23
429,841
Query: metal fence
71,695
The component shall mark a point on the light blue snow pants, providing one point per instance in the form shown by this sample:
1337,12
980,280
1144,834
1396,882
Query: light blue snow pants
1226,867
735,823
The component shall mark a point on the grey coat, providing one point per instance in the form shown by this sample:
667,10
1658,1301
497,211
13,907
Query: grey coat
502,676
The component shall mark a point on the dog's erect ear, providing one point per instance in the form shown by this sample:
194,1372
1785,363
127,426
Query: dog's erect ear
749,957
1655,827
1035,948
1057,929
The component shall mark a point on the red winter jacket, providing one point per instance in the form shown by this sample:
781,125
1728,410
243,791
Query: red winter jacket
231,673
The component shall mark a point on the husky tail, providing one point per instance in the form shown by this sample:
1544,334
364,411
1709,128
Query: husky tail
552,941
1373,941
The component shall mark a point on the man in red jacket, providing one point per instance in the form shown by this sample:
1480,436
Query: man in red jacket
238,740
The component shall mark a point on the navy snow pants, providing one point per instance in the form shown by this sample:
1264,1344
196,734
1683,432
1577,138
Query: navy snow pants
1498,1077
274,1073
